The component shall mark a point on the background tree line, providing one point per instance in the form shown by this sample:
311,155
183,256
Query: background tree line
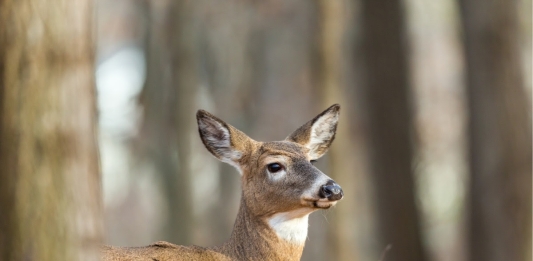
98,142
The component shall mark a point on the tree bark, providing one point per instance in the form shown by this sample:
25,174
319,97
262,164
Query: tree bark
331,89
499,131
168,100
50,199
389,122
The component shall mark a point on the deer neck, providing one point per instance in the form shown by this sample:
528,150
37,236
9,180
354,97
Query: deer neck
278,237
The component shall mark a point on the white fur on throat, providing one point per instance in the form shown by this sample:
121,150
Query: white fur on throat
291,226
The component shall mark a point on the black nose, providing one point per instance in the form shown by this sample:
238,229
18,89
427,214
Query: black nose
331,191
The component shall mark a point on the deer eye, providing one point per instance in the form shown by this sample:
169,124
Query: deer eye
274,167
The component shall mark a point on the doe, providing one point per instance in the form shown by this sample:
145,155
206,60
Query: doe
280,188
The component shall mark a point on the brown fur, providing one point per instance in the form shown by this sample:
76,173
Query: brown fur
262,196
251,239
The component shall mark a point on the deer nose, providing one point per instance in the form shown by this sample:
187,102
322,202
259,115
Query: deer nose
332,191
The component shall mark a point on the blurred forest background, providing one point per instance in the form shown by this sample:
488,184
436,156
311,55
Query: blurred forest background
433,149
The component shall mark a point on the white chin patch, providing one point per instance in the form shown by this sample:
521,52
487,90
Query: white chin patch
291,226
325,203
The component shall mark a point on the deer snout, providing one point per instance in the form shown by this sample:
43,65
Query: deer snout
331,190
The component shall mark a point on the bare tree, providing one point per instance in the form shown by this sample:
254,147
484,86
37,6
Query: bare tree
386,89
499,132
168,101
331,88
50,196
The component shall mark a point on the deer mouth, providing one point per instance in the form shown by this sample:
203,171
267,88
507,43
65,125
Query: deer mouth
320,203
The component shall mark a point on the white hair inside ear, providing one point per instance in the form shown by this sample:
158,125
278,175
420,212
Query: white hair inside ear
217,139
322,133
318,133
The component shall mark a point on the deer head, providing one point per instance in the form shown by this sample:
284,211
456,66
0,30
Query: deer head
279,181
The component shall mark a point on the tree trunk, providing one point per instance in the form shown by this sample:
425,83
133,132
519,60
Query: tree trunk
331,88
500,133
168,100
50,199
388,116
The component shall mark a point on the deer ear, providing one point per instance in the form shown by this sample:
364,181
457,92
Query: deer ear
318,134
224,141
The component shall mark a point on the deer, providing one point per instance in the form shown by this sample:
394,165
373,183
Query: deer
280,187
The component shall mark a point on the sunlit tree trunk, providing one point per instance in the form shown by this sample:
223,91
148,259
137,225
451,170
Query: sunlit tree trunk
342,165
388,115
50,198
500,133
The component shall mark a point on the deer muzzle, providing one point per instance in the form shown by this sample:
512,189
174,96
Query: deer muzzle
331,190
